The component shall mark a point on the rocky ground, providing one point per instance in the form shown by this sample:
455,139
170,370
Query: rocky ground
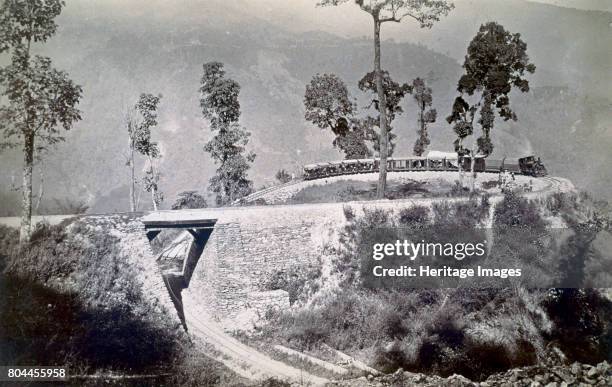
556,376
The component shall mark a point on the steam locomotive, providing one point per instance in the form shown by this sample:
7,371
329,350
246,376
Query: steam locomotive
435,161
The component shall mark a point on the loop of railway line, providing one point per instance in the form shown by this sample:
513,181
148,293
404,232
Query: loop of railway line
553,184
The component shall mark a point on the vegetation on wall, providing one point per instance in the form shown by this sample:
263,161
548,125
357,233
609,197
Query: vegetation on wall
472,332
70,298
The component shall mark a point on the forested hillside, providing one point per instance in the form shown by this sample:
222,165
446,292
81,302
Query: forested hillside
565,117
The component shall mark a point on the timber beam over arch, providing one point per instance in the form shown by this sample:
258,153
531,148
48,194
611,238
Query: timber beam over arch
196,227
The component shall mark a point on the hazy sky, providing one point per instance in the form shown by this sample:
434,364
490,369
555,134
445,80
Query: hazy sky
601,5
296,15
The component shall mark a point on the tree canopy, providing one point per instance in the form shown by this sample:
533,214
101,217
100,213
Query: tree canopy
427,115
141,119
328,104
425,12
496,62
220,106
36,98
189,199
39,101
394,93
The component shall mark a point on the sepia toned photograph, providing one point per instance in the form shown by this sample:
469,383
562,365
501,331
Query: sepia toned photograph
283,193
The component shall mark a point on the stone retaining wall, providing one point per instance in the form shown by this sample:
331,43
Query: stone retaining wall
250,244
240,260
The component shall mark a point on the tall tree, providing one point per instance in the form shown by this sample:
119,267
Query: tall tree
329,106
394,93
139,121
220,106
37,100
425,12
427,114
495,63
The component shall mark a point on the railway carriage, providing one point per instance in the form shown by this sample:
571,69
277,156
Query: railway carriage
435,161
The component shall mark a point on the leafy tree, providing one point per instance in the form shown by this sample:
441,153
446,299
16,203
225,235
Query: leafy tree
283,176
140,120
353,143
189,199
425,12
394,92
37,100
329,106
495,63
427,114
220,106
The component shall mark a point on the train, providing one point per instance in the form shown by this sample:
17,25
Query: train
434,161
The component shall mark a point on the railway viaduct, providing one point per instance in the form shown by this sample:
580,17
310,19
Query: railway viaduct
234,251
230,255
237,250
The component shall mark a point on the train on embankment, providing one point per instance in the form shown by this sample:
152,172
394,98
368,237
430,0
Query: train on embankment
434,161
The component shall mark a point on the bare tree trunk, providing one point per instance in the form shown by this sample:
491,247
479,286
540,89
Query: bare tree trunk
139,196
472,165
460,164
26,203
421,124
133,178
153,199
41,188
28,163
382,109
153,187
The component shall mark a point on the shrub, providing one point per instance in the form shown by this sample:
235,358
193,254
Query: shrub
489,184
73,298
390,359
273,382
582,325
49,254
515,210
561,203
283,176
416,216
9,238
189,199
296,281
43,326
458,190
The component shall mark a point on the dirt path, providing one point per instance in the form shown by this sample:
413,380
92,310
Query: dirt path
244,360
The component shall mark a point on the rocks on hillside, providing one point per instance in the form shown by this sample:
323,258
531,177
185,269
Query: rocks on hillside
575,374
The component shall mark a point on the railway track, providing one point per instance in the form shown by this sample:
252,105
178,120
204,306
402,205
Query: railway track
553,183
256,195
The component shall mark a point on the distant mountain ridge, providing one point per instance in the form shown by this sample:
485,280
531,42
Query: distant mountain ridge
116,57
